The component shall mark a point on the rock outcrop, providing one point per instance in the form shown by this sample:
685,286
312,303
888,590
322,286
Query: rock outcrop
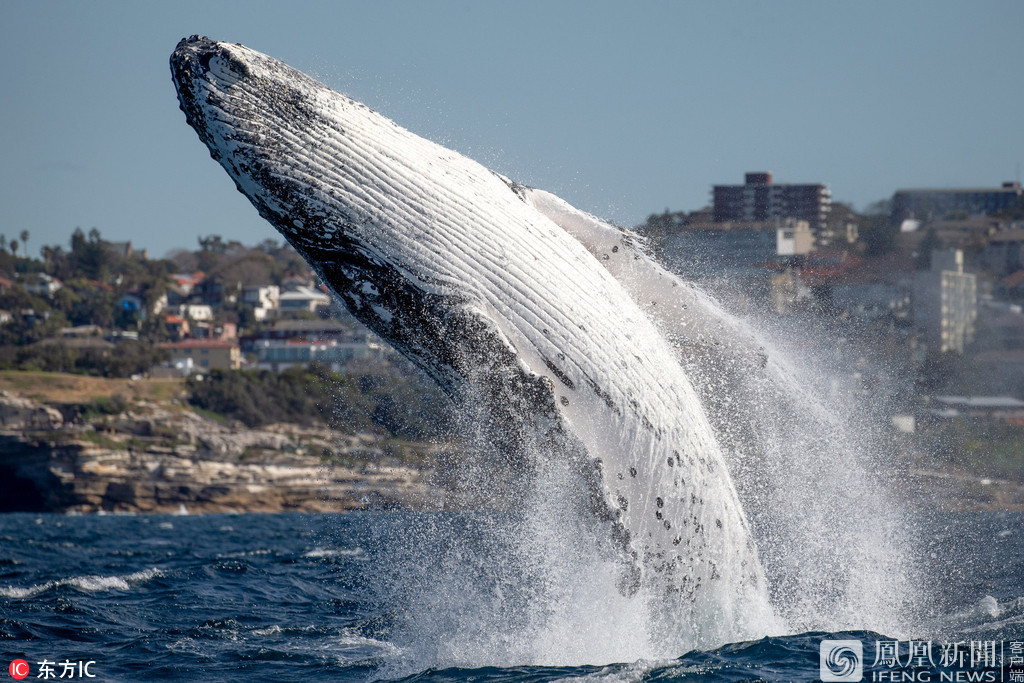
166,458
20,414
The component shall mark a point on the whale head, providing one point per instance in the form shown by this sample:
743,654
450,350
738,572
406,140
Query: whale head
392,222
256,115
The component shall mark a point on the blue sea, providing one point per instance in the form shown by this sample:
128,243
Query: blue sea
295,597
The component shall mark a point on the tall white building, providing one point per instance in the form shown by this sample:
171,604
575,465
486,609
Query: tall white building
946,302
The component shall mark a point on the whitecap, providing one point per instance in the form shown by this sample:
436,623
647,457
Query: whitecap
97,583
333,552
277,630
83,583
352,648
629,673
271,631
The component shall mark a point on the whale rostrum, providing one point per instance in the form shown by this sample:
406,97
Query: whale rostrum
526,312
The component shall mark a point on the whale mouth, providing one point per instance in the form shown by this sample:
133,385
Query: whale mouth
245,108
197,60
194,54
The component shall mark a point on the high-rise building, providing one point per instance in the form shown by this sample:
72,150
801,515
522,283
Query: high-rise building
925,205
946,302
759,200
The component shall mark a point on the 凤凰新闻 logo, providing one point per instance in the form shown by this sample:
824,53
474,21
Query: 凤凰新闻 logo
842,660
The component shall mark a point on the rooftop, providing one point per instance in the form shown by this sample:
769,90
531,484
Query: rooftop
981,401
1006,187
198,344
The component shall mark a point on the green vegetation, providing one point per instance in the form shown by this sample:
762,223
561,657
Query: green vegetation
982,447
123,359
98,407
397,405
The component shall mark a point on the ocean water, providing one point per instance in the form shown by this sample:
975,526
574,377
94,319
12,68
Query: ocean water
411,596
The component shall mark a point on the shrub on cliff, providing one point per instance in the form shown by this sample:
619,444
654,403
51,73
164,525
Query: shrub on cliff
403,406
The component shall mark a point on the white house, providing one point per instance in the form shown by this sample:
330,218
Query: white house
41,284
196,312
262,298
302,299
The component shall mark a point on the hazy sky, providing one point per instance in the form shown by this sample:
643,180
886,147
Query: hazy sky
624,109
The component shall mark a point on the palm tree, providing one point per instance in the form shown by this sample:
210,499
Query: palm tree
14,247
24,240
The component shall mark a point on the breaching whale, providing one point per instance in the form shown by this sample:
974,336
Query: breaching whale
511,300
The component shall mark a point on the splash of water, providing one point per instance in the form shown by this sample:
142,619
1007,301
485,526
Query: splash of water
815,481
541,582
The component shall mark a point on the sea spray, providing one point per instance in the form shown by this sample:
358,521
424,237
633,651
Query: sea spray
813,471
814,476
818,482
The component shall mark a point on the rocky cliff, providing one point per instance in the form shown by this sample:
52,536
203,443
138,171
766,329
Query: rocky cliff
157,457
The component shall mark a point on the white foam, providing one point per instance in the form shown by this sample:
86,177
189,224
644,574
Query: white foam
333,552
83,583
633,672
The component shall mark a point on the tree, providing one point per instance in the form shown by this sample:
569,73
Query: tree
14,247
929,244
214,243
24,240
876,229
882,206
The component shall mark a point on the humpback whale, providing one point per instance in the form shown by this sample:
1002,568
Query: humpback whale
527,312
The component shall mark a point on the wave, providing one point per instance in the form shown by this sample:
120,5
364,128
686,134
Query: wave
333,552
90,584
994,619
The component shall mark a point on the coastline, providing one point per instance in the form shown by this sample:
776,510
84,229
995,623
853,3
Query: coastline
153,453
160,456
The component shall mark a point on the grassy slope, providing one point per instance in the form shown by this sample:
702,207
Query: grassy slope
55,387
